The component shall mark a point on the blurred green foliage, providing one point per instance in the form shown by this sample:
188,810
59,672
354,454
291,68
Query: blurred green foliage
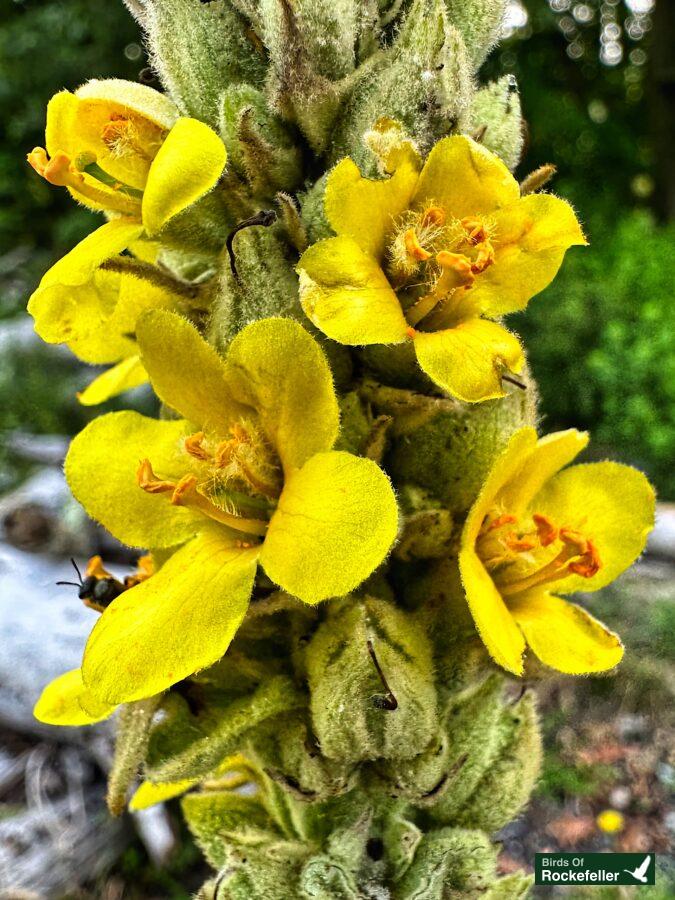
600,343
598,338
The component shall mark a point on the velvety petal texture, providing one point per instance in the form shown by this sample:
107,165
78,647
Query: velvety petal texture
129,373
494,621
275,367
468,361
101,468
148,794
68,304
178,621
187,166
465,178
532,237
336,521
607,508
60,702
365,210
345,293
186,373
612,503
565,637
455,236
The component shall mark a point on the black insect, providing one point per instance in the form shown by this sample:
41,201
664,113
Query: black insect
98,588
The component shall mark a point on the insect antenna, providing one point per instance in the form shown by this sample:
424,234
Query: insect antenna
75,566
72,583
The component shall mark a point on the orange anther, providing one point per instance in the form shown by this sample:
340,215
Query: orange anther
589,564
240,433
433,217
186,483
413,246
224,453
57,170
547,531
475,229
457,270
484,258
574,540
410,331
148,481
193,446
500,521
519,544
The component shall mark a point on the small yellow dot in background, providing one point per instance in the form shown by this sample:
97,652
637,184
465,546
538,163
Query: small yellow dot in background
610,821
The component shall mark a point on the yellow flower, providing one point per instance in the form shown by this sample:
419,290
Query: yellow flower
535,528
113,341
610,821
436,256
120,148
248,476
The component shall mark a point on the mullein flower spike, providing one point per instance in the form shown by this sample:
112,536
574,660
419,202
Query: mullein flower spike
268,639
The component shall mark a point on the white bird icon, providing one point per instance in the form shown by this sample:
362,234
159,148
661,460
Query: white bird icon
640,874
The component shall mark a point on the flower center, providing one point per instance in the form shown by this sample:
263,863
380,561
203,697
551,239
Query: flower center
125,136
236,481
523,555
433,261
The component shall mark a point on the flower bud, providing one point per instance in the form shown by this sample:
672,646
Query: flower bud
371,683
495,117
446,447
199,49
422,82
480,24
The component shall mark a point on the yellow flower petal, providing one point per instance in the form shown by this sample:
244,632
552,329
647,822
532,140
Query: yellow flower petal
101,468
465,179
68,304
148,794
365,210
542,461
564,636
505,468
135,298
125,375
467,361
179,621
59,703
186,372
611,504
187,166
336,520
532,236
277,368
345,293
494,622
81,123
